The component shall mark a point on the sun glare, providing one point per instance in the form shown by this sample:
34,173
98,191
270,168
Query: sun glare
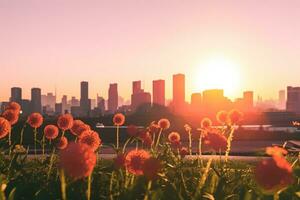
218,73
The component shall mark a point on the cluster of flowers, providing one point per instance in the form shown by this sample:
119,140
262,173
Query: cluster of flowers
78,158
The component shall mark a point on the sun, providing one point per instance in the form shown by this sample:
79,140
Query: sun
218,73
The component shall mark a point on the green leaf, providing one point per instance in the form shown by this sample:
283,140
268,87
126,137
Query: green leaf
11,195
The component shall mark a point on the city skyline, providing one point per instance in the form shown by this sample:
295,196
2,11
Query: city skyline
64,43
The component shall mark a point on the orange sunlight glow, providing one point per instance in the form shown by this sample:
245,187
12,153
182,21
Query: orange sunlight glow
218,73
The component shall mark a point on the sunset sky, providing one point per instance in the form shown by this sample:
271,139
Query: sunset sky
254,45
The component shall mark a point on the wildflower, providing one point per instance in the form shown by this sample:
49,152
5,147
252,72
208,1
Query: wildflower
62,143
19,149
151,167
77,160
216,140
235,116
183,152
35,120
187,128
164,124
91,139
206,123
132,130
153,128
174,138
76,126
273,174
119,119
51,132
11,116
82,128
134,161
222,117
119,161
276,151
13,106
65,122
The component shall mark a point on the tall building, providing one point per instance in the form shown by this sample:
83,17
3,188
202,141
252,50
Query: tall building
196,101
158,92
49,100
101,104
178,92
16,95
248,100
213,100
113,97
74,102
281,99
140,99
136,87
36,100
293,99
85,104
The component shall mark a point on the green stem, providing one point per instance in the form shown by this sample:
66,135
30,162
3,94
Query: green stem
43,145
158,138
117,136
63,185
125,145
200,145
229,140
35,135
148,190
111,196
88,195
51,163
190,142
22,133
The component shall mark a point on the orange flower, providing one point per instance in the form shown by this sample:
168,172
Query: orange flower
51,132
153,128
62,143
76,126
216,140
134,161
164,123
91,139
206,123
77,160
13,106
11,116
174,138
222,117
151,167
119,161
82,128
35,120
132,130
5,127
235,116
65,122
183,152
276,151
273,174
119,119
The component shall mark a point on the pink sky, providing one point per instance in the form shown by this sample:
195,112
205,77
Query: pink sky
59,43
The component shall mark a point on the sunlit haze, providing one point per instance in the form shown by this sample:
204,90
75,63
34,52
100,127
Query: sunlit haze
235,45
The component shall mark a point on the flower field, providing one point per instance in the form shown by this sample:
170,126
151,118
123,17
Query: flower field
157,168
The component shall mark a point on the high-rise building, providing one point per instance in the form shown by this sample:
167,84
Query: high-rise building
74,102
178,92
101,104
113,97
293,99
158,92
196,101
84,98
136,87
49,100
140,99
281,99
16,95
248,100
213,100
36,100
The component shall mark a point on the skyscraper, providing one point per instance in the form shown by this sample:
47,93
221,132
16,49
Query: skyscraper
281,99
158,92
196,101
16,95
36,100
293,99
248,100
136,87
113,97
84,98
178,92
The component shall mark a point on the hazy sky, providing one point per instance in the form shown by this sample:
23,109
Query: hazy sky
58,43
